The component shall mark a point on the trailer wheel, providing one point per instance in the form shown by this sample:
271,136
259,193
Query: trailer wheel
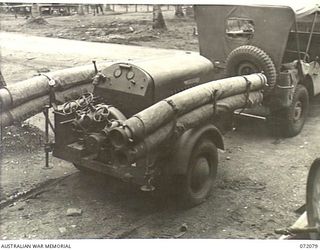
195,186
313,198
248,59
295,116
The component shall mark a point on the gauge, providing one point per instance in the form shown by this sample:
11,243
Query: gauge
117,73
130,75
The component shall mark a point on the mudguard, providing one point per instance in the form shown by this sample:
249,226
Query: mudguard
185,144
314,74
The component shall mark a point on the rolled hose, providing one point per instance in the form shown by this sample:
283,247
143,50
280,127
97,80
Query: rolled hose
198,116
150,119
30,108
21,92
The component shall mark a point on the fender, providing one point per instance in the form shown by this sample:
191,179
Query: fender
315,84
312,79
185,144
308,82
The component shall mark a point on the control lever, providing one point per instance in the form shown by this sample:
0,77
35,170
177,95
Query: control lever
95,67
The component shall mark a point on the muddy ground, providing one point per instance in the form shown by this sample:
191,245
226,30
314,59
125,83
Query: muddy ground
260,184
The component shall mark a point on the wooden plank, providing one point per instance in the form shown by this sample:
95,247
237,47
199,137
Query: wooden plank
302,222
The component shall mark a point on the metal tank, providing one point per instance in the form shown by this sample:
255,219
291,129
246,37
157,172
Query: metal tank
134,86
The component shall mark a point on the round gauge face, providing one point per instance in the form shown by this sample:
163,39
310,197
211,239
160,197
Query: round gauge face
313,197
117,73
130,75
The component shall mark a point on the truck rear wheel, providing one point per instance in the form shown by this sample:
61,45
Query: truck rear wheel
295,116
195,186
249,59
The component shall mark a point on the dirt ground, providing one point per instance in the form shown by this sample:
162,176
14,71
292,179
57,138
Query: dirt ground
260,183
115,27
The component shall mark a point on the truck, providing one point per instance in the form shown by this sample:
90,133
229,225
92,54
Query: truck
281,41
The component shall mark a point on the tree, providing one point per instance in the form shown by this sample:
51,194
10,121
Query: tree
108,7
35,10
2,82
179,11
81,9
158,20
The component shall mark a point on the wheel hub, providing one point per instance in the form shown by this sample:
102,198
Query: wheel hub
297,111
200,173
247,68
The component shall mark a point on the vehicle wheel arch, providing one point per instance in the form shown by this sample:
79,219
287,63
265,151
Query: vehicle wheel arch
185,144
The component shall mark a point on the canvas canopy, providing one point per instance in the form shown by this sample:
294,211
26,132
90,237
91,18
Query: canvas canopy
263,24
258,26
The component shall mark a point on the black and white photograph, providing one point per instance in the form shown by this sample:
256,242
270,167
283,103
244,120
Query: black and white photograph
159,120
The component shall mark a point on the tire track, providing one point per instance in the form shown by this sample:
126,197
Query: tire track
39,189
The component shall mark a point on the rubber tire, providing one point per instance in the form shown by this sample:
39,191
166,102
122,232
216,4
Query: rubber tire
187,197
310,189
254,56
289,127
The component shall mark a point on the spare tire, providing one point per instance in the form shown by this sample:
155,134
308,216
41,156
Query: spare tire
249,59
